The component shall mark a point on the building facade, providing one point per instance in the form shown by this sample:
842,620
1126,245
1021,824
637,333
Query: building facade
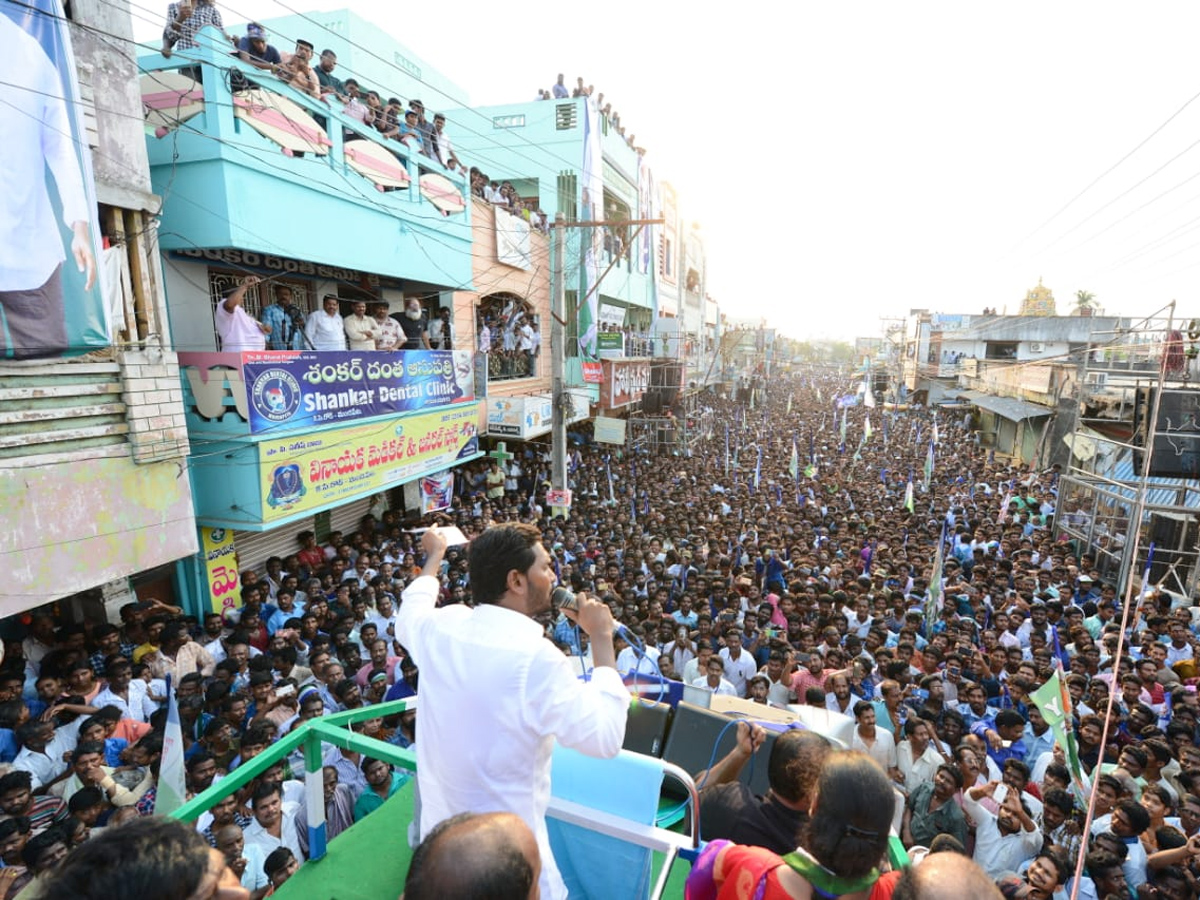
97,506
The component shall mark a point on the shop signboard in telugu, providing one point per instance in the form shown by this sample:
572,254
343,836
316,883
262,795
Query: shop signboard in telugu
593,372
306,473
625,381
220,569
520,417
289,389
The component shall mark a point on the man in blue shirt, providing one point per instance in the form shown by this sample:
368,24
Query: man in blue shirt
286,320
559,90
1004,735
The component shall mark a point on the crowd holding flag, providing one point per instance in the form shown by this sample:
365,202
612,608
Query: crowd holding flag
1054,702
172,780
928,468
933,599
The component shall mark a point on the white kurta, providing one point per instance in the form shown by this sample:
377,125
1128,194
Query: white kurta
494,696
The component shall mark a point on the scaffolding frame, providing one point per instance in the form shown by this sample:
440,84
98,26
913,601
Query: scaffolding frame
674,435
1109,503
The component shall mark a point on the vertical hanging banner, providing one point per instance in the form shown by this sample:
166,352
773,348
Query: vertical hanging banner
50,294
220,569
592,237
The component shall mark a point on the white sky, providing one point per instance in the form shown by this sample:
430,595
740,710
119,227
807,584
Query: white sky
849,161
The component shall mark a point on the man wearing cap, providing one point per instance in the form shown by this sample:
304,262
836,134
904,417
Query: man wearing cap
255,50
297,70
424,128
409,134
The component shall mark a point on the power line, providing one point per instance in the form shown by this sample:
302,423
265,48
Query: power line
1110,169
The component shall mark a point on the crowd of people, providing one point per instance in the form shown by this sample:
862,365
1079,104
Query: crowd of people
391,118
778,561
510,335
560,91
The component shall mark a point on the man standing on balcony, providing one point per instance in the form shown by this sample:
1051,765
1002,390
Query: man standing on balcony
424,127
387,329
254,50
360,331
441,331
413,325
440,142
330,83
286,321
239,331
560,90
298,72
184,19
325,329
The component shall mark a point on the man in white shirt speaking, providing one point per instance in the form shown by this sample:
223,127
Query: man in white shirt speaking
495,694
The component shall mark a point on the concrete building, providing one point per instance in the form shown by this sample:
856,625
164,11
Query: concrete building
96,503
1016,372
306,436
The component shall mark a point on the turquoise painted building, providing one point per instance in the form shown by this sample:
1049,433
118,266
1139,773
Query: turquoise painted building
271,182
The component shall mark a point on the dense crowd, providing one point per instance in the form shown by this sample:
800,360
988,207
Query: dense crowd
776,560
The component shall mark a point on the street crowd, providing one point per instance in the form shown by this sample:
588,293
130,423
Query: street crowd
790,556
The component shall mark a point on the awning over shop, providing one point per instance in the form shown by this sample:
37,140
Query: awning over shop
1006,407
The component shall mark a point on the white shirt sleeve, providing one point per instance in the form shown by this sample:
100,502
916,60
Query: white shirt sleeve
584,716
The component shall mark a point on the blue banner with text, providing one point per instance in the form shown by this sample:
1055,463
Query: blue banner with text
288,389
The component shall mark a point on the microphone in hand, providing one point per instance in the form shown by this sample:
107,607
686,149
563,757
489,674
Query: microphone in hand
568,602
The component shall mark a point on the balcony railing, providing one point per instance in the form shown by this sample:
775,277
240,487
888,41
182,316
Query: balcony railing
318,160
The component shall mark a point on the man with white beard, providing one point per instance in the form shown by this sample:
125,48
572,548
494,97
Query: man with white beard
414,326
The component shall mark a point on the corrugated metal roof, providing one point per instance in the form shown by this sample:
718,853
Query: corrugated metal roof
1162,491
1006,407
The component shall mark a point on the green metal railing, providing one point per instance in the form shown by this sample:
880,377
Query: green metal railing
309,737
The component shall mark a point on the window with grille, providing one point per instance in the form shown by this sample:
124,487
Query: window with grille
565,116
568,195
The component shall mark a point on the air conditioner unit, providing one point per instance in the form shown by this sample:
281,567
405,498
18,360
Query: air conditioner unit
1036,347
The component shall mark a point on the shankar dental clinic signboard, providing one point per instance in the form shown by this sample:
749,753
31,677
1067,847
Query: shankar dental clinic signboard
292,389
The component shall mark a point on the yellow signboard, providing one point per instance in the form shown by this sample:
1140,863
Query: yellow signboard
311,471
220,569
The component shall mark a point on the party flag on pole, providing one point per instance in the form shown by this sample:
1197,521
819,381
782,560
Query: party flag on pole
867,429
172,783
908,494
794,462
758,469
1054,701
928,467
933,600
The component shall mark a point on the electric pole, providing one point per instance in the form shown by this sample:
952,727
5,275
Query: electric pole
558,338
